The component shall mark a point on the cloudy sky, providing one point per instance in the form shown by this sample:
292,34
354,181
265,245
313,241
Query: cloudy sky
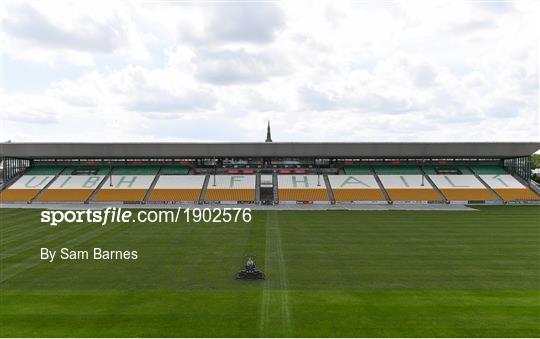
217,71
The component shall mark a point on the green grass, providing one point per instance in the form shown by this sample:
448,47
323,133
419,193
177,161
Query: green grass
330,273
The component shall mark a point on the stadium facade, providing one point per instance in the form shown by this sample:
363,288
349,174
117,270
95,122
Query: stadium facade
269,172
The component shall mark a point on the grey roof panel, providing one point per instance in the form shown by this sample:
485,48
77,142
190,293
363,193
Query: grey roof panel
275,149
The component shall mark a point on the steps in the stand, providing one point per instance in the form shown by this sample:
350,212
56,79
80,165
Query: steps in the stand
329,189
486,185
204,188
381,186
276,191
257,188
36,197
96,190
152,185
439,192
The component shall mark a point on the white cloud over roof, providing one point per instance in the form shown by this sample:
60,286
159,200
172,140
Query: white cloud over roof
320,71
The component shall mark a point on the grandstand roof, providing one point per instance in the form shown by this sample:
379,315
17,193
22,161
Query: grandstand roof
274,149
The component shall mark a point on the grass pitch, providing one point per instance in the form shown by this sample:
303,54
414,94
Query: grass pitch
329,273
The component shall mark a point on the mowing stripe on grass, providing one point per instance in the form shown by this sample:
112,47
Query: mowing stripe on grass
284,283
13,213
348,273
18,223
263,317
29,225
275,307
28,233
32,261
10,252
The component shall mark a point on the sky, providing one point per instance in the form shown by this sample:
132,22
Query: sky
319,71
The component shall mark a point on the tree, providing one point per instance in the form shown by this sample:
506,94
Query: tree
535,161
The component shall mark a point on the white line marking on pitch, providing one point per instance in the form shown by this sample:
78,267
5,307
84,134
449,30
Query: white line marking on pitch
263,317
276,287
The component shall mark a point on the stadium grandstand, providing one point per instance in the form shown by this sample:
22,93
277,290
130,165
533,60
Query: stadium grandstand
268,173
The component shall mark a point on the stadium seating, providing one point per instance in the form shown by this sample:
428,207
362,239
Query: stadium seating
129,188
462,187
88,170
355,188
135,170
408,187
488,169
431,169
397,169
174,170
231,188
302,188
240,171
508,188
364,169
454,170
27,187
71,188
177,188
45,170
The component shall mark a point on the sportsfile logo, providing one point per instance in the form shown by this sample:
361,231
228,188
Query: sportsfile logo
120,215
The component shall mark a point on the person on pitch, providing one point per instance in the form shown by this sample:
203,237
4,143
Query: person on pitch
250,265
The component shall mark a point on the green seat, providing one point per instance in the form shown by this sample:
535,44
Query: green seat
175,170
464,169
397,169
357,170
100,170
135,170
45,170
430,169
436,169
488,169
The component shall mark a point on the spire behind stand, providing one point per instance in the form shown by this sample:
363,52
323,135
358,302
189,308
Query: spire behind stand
268,133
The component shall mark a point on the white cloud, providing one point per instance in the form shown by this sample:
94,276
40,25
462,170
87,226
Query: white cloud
67,31
240,22
328,71
238,66
138,89
27,23
161,100
354,99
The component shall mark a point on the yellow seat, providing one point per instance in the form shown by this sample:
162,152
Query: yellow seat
465,194
224,194
120,195
413,194
14,194
517,194
65,195
360,194
304,194
187,194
